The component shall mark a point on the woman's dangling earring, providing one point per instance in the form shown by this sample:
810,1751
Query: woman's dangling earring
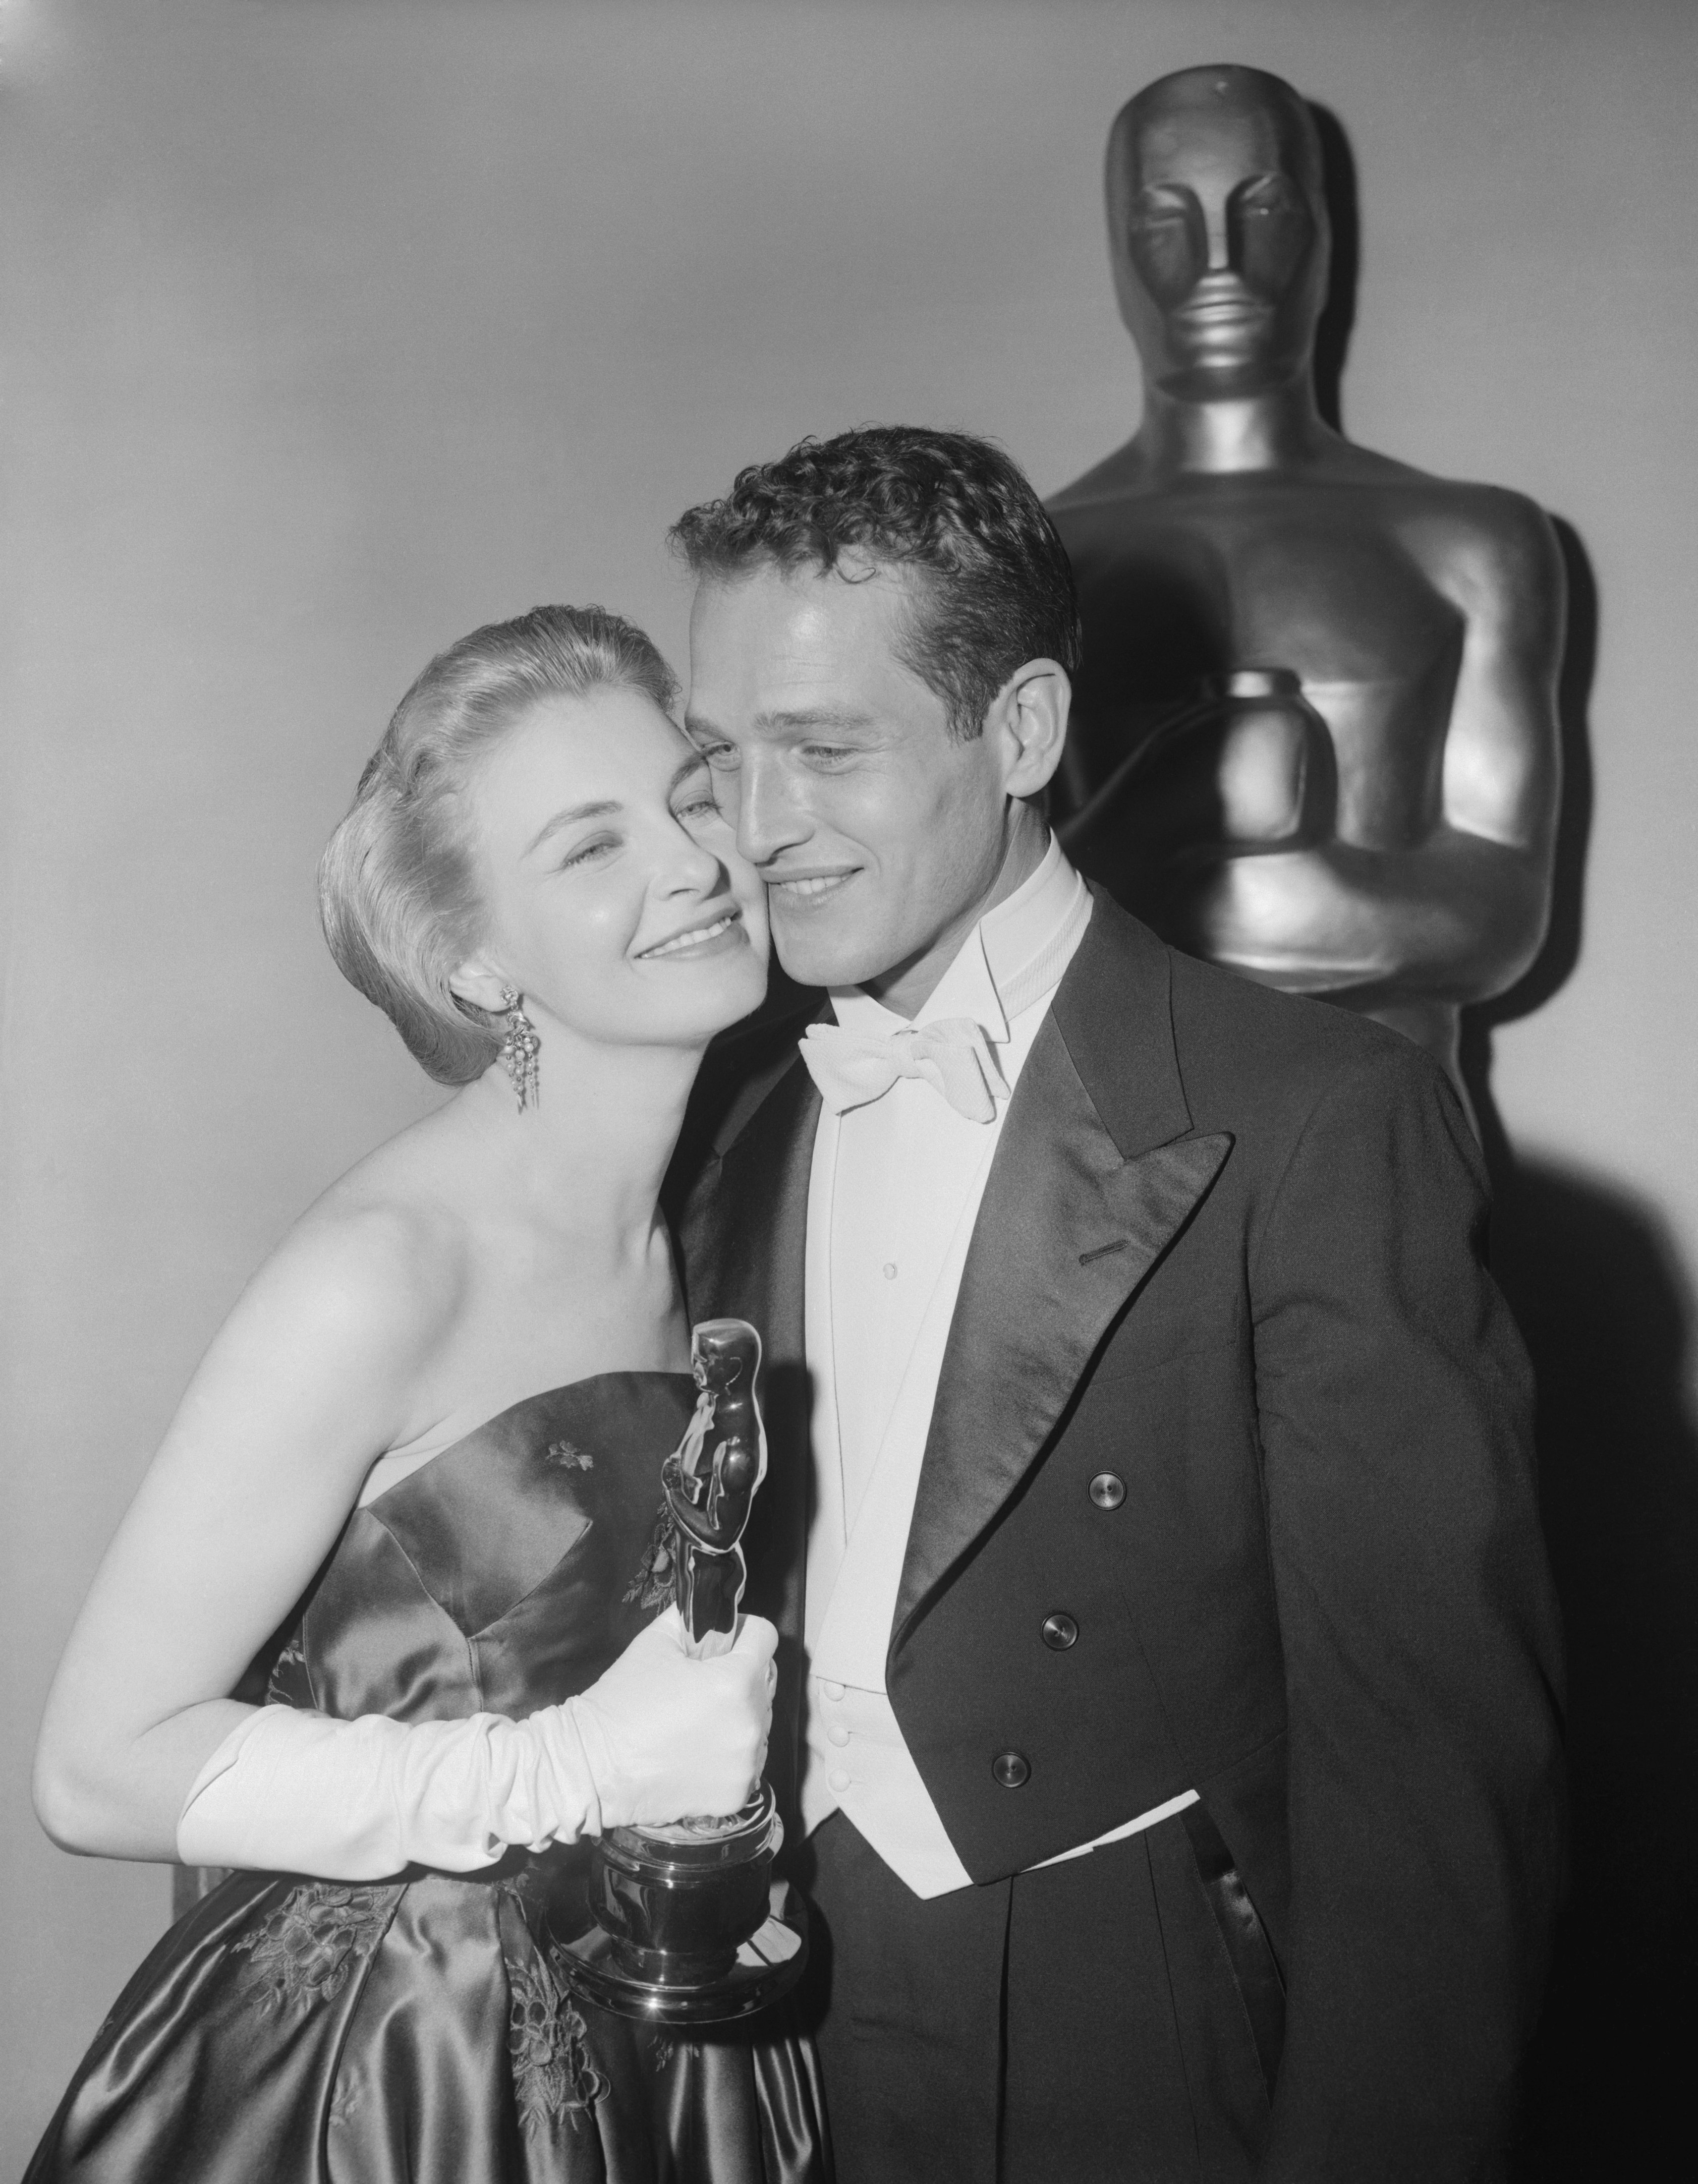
520,1050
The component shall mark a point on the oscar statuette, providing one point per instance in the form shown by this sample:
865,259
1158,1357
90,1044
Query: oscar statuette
691,1928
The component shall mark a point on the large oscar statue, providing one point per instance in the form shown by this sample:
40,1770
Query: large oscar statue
1314,736
691,1929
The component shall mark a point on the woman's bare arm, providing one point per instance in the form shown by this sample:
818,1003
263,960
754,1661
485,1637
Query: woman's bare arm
306,1384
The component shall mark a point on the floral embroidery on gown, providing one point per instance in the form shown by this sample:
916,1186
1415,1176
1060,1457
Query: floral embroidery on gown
419,2031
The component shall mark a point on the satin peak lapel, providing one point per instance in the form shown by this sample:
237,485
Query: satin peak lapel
744,1229
1067,1231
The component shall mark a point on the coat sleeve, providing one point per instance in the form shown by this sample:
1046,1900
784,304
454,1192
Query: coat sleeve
1421,1655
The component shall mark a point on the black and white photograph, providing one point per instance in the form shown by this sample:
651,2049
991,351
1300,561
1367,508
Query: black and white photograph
848,1055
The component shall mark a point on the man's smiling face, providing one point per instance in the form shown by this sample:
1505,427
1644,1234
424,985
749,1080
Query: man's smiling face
878,832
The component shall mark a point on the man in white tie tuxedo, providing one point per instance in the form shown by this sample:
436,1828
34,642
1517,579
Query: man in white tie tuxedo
1168,1641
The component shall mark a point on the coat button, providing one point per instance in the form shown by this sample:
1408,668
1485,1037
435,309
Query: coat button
1010,1769
1059,1632
1107,1489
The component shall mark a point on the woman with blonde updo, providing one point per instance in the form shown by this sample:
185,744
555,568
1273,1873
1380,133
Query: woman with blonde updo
425,1447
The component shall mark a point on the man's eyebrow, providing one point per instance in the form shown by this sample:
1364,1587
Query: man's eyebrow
569,817
785,722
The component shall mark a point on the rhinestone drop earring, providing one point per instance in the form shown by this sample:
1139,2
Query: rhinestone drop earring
520,1050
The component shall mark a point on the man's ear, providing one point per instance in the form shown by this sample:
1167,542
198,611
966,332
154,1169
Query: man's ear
478,981
1029,714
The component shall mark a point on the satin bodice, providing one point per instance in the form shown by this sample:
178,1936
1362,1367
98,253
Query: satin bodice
507,1572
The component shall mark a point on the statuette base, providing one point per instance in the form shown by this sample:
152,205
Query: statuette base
692,1928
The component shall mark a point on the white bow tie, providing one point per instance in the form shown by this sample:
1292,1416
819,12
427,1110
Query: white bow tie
953,1055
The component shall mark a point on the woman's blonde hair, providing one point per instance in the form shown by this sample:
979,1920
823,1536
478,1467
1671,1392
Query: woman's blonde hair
397,889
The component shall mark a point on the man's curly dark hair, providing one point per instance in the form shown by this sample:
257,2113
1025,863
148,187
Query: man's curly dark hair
996,586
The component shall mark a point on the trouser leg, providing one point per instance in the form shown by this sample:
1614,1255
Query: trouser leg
1129,2058
1078,2025
905,2000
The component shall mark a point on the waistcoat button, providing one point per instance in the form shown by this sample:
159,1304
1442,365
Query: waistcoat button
1060,1631
1010,1769
1107,1489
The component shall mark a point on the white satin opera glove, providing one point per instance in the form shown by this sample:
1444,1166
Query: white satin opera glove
659,1736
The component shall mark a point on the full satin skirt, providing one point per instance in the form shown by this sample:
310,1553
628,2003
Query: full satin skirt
418,2031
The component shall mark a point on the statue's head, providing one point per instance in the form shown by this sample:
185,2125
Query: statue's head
1217,226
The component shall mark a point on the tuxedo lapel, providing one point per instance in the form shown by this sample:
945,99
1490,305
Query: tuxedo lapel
1091,1183
744,1227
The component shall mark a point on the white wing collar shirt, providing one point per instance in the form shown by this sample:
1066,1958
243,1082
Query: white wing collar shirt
912,1115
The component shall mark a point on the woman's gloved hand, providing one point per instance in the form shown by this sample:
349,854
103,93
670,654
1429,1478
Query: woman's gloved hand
666,1736
659,1737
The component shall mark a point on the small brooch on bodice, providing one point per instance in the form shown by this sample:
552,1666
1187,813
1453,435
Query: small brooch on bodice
569,1457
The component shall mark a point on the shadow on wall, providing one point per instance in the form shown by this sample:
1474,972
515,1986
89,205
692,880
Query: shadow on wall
1608,1317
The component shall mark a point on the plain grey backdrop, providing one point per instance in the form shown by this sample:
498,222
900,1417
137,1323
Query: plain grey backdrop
335,329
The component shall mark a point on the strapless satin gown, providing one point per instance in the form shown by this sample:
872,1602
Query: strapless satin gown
418,2031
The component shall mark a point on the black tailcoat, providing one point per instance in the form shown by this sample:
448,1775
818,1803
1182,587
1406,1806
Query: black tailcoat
1230,1253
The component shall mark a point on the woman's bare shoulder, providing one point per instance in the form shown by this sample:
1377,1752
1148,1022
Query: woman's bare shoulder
373,1276
412,1187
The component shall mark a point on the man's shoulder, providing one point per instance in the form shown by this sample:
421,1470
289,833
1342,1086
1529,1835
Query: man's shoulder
1251,1060
1343,1116
1235,1038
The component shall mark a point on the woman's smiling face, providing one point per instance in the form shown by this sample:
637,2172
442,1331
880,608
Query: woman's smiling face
614,897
